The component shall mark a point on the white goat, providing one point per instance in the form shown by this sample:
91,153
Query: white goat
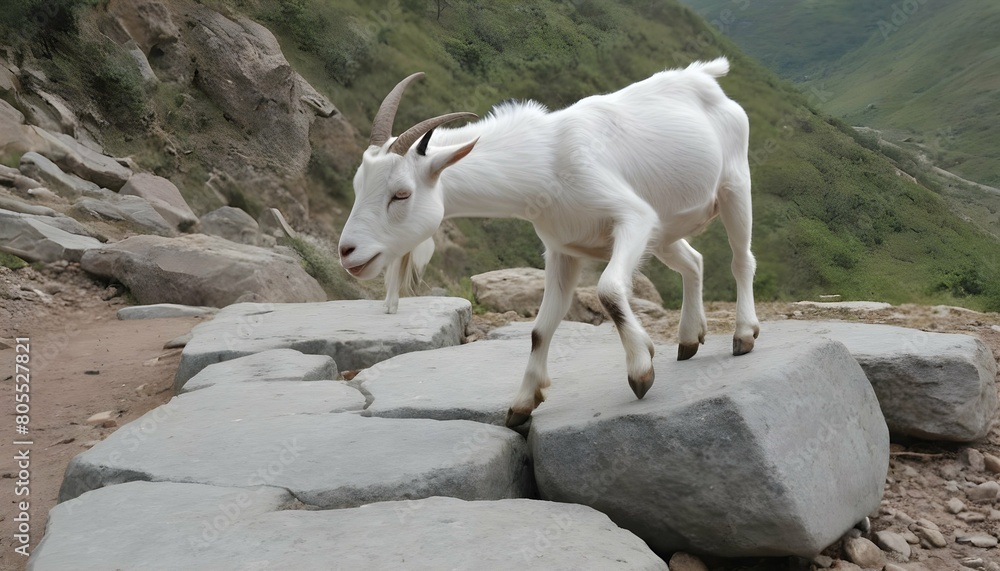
611,177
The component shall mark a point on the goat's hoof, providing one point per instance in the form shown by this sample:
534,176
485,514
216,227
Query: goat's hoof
641,385
516,418
742,346
686,350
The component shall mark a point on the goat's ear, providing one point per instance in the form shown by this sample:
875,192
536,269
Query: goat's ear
444,158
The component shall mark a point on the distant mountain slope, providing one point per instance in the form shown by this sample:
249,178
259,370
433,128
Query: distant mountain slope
830,215
921,70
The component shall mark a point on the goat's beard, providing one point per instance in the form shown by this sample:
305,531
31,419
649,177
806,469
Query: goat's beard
403,274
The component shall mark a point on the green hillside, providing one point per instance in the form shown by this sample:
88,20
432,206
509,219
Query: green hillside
831,216
928,76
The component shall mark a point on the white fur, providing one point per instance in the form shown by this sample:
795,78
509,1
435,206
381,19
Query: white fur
626,174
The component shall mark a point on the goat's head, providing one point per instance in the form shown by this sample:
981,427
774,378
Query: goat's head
398,203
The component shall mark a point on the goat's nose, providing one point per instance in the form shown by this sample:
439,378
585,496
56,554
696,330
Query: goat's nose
346,251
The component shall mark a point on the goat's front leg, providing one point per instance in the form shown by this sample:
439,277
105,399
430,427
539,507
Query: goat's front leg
631,234
562,273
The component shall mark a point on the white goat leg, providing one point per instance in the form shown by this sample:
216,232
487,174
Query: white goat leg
562,273
685,260
737,218
631,235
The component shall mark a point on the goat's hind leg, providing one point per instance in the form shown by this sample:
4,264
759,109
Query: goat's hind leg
737,216
562,273
631,236
685,260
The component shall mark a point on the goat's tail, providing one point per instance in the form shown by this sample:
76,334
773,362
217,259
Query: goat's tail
716,68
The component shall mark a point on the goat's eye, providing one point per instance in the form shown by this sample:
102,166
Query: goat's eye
400,195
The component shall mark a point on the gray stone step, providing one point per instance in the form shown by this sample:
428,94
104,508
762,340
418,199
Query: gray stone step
164,310
325,460
357,334
168,526
274,365
777,452
936,386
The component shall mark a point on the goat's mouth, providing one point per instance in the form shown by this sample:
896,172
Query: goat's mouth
356,271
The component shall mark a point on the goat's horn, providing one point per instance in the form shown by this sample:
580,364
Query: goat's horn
382,125
411,135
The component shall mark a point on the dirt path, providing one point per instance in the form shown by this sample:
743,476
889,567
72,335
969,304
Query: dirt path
83,361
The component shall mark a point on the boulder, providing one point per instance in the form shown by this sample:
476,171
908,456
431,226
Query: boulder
164,197
778,452
16,138
356,334
23,208
201,270
233,224
936,386
131,209
520,290
210,527
242,70
163,310
276,365
34,165
13,178
30,238
96,167
327,460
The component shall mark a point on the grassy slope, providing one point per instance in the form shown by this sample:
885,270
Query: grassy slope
929,75
830,215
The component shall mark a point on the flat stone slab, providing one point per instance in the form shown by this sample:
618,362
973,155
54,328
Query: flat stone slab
936,386
207,527
860,306
35,241
325,460
148,525
275,365
478,381
357,334
164,310
249,401
777,452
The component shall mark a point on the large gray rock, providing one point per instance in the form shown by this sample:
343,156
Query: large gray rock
267,366
936,386
165,198
132,209
163,311
29,238
36,166
100,169
207,527
326,460
201,270
232,224
778,452
520,290
64,223
478,381
357,334
180,517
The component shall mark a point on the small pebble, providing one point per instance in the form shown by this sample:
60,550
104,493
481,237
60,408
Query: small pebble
992,463
951,486
987,491
930,537
893,543
863,552
978,540
974,562
973,459
824,561
910,537
102,417
995,515
681,561
891,567
955,506
971,517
